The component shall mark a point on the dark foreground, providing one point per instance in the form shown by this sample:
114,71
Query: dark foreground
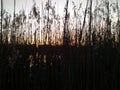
59,68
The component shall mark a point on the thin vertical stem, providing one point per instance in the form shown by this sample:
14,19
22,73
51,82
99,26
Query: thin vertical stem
48,29
84,21
12,32
90,21
1,18
65,41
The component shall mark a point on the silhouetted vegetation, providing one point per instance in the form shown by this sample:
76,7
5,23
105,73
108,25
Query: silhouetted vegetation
46,51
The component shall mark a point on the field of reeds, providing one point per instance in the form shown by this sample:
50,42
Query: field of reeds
43,51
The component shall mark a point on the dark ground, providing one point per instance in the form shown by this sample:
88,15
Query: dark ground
65,68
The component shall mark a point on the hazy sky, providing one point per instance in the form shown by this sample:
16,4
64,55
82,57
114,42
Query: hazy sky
27,4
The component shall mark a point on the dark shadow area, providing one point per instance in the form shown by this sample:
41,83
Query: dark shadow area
59,67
